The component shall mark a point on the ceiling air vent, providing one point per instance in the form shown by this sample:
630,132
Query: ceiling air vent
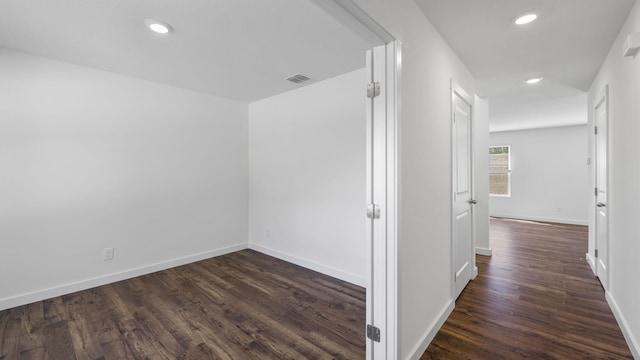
298,78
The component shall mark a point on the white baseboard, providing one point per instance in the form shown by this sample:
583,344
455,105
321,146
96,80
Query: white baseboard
323,269
484,251
591,263
543,219
431,332
632,342
69,288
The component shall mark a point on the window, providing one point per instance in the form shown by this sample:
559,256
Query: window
500,170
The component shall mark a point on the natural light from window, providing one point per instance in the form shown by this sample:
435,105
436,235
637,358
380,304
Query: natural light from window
500,170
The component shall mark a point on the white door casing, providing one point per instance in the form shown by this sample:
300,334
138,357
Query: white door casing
601,164
462,175
381,209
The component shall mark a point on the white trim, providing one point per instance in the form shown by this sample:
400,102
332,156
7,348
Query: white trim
591,262
624,326
311,265
393,89
352,16
369,190
381,188
542,219
431,332
464,95
484,251
69,288
378,193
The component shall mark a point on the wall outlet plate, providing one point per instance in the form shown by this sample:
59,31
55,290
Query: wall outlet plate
107,254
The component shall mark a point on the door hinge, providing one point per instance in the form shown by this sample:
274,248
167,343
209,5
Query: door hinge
595,130
595,192
596,252
373,333
373,89
373,211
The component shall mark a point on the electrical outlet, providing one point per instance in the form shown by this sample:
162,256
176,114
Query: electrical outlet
107,254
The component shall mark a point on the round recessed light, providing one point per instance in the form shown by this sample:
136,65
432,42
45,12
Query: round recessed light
534,80
525,19
158,26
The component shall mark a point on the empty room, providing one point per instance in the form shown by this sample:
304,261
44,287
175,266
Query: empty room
319,179
238,134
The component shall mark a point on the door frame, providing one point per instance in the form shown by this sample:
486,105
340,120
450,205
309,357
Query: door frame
381,191
459,91
381,185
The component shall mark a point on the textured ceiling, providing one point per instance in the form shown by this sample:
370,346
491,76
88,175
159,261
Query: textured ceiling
237,49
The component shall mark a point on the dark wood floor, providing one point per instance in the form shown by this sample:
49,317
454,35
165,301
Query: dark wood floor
535,298
243,305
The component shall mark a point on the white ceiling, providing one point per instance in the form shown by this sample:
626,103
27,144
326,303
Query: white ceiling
243,49
237,49
566,45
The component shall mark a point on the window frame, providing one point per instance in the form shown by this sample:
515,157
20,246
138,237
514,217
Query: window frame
508,172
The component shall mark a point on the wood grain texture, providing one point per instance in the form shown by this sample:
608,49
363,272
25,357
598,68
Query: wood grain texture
244,305
535,298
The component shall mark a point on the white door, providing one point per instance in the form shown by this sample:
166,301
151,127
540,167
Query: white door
602,221
380,201
381,67
463,242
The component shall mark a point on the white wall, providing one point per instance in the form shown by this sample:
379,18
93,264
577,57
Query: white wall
92,160
622,74
549,177
481,176
543,113
307,176
424,263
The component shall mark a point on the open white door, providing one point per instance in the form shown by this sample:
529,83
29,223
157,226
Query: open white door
381,70
463,242
602,221
381,201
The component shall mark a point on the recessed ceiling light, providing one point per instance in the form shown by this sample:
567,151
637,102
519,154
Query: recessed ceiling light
158,26
534,80
525,19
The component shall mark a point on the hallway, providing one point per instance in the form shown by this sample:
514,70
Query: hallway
535,298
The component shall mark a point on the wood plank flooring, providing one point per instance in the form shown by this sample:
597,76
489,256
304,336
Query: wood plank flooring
244,305
535,298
